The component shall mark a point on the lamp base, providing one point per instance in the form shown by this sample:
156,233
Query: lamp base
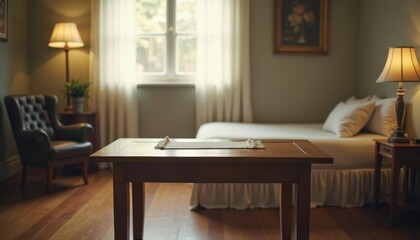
399,137
68,108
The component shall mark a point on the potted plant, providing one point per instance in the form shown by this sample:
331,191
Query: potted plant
78,91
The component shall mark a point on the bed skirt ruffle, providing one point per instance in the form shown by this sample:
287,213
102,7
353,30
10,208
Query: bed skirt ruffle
329,187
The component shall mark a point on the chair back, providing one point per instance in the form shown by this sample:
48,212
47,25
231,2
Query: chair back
28,112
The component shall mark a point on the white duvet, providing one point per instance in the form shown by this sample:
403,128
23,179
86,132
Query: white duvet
346,183
349,153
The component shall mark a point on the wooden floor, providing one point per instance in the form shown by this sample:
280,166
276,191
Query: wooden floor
76,211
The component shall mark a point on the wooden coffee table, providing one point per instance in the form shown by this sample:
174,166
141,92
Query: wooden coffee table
136,161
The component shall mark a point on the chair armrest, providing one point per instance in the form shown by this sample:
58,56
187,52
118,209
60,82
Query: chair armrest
35,136
33,147
79,132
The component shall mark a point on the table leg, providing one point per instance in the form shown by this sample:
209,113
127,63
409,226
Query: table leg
394,191
413,177
138,209
406,181
302,202
286,211
121,203
377,179
410,177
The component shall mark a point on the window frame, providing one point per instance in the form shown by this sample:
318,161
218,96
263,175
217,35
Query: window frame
171,77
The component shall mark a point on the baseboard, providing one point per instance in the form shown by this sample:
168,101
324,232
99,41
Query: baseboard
10,167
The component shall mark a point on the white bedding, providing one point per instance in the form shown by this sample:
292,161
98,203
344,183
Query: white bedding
346,183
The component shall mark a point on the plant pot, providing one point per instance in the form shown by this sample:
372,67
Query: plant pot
78,104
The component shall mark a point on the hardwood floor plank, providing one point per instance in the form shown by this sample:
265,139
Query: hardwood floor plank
237,226
214,223
364,223
168,216
30,206
76,211
90,218
55,219
323,226
269,222
201,225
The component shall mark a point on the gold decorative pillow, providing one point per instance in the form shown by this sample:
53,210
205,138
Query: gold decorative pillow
384,117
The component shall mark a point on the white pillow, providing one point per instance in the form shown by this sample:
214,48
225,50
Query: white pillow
347,119
384,118
353,99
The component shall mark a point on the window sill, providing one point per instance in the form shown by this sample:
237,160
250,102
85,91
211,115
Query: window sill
165,83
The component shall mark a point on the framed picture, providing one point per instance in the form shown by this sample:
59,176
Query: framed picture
3,20
301,26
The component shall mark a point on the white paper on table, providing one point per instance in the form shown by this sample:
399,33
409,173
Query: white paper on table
166,143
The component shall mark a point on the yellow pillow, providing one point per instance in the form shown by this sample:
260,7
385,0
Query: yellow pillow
384,117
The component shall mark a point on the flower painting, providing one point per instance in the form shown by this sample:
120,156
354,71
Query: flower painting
3,20
301,26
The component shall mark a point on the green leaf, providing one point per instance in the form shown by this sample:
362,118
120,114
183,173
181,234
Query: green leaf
76,88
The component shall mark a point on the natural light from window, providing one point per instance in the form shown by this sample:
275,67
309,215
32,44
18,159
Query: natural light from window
166,39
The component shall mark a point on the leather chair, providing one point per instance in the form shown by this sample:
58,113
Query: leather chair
41,139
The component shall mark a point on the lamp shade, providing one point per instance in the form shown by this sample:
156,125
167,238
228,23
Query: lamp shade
65,34
401,66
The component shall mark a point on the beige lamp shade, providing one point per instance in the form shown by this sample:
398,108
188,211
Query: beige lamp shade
65,34
401,66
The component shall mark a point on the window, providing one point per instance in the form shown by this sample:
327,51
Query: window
166,39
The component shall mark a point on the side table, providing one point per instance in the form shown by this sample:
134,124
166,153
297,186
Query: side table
83,117
400,155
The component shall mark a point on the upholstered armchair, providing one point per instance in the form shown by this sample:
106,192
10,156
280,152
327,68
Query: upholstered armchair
41,139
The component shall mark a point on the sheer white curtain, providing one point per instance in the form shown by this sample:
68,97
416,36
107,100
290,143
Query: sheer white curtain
113,59
223,66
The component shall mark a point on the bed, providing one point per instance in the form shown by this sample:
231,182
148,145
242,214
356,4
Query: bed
346,183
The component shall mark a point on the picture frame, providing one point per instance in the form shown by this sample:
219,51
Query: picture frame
3,20
301,26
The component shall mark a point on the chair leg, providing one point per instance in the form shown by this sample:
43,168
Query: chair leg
49,172
24,175
85,172
54,173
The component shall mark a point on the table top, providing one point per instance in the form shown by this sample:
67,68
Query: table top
276,151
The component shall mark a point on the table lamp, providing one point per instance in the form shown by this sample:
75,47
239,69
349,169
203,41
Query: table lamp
66,35
401,66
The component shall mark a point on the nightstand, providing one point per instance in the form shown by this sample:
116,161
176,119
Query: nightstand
83,117
399,155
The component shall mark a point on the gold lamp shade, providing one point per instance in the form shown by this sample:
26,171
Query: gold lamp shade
65,33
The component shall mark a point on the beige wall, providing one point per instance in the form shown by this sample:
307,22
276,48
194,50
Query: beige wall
13,79
385,23
167,111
